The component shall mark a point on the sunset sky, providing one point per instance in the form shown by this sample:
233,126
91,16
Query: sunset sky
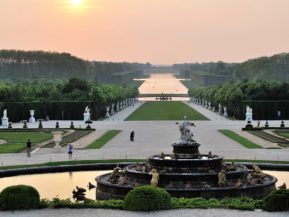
156,31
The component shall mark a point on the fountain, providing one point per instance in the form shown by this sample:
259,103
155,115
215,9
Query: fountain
187,173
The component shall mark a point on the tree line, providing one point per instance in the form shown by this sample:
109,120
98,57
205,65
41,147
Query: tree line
275,68
236,95
19,66
55,98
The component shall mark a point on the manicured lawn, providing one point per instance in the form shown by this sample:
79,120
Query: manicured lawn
240,139
103,139
165,111
283,134
16,141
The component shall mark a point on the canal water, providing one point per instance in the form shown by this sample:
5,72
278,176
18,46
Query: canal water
61,184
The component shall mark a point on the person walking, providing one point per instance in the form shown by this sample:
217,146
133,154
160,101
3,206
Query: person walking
28,146
70,151
132,136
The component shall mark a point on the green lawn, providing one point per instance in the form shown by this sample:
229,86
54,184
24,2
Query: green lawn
283,134
167,110
103,139
240,139
16,141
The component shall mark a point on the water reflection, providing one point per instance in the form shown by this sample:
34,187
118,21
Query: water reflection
55,184
162,83
61,184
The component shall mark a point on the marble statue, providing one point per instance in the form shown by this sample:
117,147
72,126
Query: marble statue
5,119
107,112
32,118
225,112
86,114
155,177
249,114
185,131
5,113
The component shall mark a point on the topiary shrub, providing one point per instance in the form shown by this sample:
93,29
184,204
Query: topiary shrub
147,198
19,197
277,200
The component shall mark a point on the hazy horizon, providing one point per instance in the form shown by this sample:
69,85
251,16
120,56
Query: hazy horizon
162,32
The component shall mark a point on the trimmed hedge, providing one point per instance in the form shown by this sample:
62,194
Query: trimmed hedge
147,198
19,197
277,200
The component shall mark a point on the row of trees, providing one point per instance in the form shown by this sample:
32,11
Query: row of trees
233,95
274,68
19,66
48,95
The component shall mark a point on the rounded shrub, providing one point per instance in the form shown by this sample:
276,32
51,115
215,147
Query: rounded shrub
19,197
147,198
277,200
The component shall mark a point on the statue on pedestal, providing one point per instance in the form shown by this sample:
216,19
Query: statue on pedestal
5,118
86,114
185,131
31,119
249,114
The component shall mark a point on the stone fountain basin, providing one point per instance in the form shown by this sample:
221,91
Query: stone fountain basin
107,190
204,161
165,178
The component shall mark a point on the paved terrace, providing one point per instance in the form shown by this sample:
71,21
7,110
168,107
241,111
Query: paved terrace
152,137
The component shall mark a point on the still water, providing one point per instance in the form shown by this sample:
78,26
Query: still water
61,184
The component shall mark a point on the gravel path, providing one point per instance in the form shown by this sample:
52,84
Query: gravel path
120,213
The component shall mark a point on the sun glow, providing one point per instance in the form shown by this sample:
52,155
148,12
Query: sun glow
75,2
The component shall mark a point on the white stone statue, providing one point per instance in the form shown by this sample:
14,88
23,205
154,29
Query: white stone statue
249,114
186,134
32,119
5,119
225,112
5,113
86,114
107,112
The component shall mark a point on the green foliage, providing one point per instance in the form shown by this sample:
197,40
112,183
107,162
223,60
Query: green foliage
236,95
19,197
19,66
57,203
103,139
242,203
277,200
283,134
165,111
60,100
147,198
240,139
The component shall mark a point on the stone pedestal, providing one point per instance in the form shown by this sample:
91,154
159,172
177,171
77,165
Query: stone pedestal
5,121
107,112
57,138
86,117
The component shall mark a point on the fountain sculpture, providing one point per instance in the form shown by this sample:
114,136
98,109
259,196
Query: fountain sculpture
187,173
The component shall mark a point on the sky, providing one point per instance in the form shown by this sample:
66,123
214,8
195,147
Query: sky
155,31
